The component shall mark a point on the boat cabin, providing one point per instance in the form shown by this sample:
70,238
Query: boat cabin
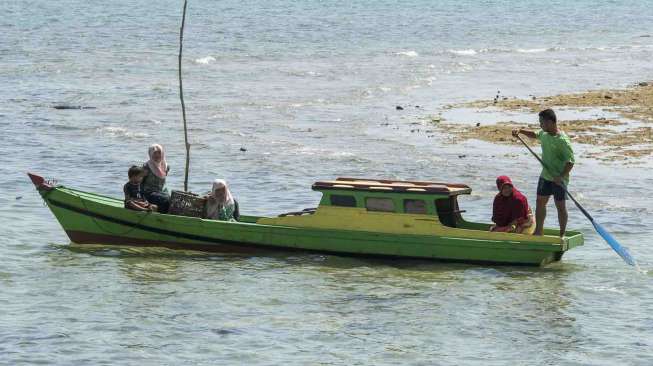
409,197
382,206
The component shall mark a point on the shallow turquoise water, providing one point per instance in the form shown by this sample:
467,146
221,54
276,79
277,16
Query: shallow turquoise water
309,89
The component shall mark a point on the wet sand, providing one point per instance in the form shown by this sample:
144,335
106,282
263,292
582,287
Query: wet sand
629,135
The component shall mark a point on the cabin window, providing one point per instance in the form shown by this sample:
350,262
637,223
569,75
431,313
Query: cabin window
343,201
415,206
380,204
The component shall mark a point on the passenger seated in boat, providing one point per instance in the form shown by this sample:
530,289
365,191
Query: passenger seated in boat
220,204
156,170
510,212
134,198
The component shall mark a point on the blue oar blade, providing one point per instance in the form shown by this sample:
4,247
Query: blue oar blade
621,250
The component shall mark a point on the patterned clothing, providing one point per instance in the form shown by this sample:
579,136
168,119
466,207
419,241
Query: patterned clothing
226,213
133,192
152,183
221,204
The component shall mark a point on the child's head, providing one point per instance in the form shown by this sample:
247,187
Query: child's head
548,120
136,174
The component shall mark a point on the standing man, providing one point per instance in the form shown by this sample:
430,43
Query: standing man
558,158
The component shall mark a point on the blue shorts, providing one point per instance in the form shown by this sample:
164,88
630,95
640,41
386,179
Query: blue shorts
547,188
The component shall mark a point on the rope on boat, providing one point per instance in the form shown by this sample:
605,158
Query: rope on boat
147,213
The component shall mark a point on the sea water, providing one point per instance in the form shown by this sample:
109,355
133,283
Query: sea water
309,91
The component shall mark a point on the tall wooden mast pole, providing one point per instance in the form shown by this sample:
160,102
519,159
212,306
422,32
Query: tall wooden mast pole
181,97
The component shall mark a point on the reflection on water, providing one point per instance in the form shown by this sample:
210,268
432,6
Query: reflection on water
389,310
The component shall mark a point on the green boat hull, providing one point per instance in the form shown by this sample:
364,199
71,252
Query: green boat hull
93,219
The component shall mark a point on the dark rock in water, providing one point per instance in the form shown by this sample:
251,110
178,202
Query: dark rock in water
19,198
224,332
65,106
243,149
416,106
461,156
497,97
399,108
645,36
643,83
478,124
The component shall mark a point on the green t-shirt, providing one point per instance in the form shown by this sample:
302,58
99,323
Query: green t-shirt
556,153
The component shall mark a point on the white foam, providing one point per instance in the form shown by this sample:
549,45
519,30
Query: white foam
116,130
468,52
608,289
205,60
342,154
472,52
121,132
408,53
531,50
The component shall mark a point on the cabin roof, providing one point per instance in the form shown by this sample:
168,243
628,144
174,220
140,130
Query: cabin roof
396,186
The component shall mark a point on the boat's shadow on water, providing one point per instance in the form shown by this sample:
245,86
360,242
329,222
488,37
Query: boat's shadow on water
319,260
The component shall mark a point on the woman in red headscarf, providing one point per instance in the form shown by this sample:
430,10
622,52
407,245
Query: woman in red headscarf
510,211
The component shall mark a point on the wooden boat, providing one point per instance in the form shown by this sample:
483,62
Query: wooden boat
363,217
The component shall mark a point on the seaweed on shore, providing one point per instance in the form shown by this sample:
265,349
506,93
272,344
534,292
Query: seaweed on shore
618,138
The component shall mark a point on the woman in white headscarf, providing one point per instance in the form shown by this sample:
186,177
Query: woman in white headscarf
156,171
220,204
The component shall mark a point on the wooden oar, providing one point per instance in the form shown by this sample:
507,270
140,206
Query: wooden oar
621,250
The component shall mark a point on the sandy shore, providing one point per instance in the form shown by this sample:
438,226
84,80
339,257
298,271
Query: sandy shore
625,135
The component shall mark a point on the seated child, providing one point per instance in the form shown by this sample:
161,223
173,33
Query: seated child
134,199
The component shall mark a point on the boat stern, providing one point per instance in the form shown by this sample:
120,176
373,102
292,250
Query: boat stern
573,239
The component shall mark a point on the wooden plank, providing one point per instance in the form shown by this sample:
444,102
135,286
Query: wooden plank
416,183
392,186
